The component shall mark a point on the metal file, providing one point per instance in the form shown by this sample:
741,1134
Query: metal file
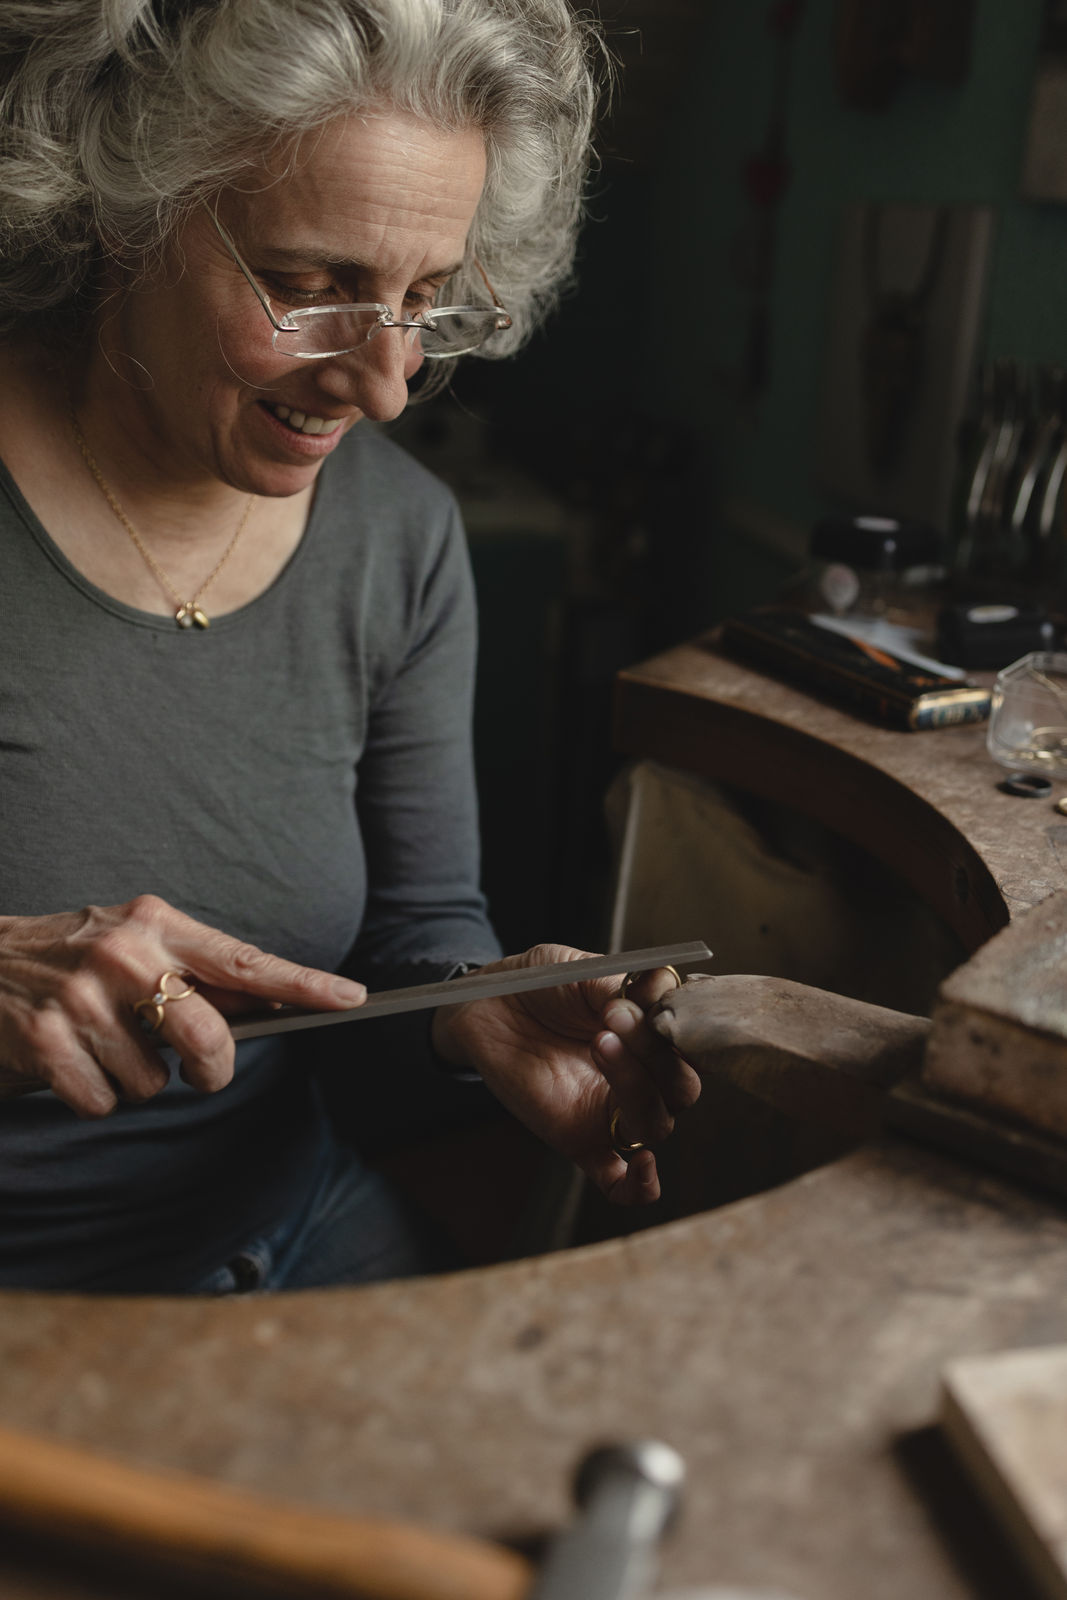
473,986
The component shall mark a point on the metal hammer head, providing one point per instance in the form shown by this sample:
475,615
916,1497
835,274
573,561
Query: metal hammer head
644,1461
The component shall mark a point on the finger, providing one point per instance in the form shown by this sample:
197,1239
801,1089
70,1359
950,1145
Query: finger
76,1078
232,1003
135,1069
646,989
643,1116
675,1079
89,1051
633,1183
44,1051
229,964
82,1084
216,958
203,1041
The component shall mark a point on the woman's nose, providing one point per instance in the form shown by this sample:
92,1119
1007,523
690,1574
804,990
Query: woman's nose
375,377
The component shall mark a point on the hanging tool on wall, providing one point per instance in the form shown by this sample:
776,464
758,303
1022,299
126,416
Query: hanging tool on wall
880,42
766,176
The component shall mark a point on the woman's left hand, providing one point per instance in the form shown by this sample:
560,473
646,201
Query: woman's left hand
564,1059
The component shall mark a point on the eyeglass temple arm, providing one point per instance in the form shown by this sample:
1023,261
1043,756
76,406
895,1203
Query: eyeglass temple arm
492,292
280,327
223,234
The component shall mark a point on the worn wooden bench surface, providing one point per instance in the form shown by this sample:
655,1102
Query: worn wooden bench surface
788,1345
925,804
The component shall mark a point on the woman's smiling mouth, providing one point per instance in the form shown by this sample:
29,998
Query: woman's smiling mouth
302,421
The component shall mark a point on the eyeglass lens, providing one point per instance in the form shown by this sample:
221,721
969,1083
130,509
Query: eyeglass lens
320,331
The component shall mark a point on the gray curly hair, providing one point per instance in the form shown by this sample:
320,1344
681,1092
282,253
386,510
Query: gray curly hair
116,116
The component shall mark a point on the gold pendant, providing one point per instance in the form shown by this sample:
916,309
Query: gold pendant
190,615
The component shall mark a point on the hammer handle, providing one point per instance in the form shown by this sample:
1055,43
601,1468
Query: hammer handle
206,1528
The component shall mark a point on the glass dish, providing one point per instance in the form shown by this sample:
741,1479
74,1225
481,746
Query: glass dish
1028,717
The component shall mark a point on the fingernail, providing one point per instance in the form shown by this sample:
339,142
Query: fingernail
620,1019
607,1044
346,989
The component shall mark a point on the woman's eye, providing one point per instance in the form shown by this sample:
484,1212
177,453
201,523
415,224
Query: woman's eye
299,296
310,294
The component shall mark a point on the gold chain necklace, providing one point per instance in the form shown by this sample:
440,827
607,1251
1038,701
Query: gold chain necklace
189,614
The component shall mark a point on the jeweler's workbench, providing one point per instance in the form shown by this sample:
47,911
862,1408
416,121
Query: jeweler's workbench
925,804
788,1345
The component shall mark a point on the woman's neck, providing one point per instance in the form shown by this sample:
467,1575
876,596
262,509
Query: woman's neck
184,519
181,499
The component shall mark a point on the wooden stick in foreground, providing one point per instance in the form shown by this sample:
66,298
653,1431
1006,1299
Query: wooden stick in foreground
206,1528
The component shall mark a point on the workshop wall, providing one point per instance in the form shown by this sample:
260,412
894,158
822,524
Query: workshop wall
658,327
934,143
632,411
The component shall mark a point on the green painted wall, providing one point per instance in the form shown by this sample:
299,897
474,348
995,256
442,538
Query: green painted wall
934,144
658,321
657,324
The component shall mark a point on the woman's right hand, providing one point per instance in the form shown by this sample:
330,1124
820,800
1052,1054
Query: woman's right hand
69,983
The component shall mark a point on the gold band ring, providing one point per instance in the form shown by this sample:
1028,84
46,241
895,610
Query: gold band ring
632,977
626,1151
152,1011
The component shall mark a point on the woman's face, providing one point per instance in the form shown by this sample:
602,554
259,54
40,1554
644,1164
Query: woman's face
376,207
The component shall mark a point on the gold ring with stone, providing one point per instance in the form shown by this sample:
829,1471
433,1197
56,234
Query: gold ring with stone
632,977
153,1010
626,1151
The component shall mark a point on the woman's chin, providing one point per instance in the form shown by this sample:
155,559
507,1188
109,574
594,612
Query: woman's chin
266,464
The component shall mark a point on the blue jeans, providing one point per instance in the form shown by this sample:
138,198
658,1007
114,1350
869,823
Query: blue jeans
354,1229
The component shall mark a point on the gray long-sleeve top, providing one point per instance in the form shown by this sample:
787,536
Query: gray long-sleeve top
298,775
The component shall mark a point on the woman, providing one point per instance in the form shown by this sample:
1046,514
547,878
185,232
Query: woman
236,664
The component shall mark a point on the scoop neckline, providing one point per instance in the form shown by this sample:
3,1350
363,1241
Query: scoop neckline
153,620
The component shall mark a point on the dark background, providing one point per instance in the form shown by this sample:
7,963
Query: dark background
646,466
